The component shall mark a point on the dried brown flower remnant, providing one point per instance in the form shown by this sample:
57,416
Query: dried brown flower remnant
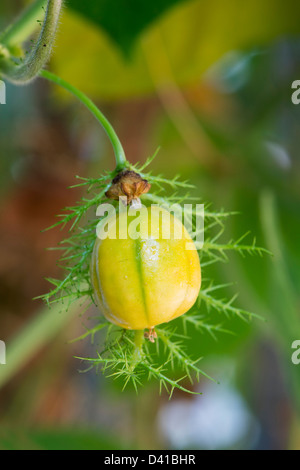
151,335
128,183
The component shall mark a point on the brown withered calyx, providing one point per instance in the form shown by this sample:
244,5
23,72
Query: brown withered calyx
127,183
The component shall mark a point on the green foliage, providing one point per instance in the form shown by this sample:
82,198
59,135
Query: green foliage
125,354
178,47
122,20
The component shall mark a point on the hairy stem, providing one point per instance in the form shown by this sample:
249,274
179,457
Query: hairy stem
24,25
40,53
117,146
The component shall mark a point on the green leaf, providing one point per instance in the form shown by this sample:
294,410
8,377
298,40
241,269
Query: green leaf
123,20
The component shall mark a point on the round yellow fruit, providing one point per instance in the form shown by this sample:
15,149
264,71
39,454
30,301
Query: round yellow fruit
142,281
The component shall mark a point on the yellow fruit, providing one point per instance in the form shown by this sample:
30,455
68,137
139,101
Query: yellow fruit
139,283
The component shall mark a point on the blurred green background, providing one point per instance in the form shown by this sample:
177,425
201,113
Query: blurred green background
210,83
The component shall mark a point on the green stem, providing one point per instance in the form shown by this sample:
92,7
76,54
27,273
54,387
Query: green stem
285,310
40,330
40,53
288,314
138,349
24,25
35,61
117,146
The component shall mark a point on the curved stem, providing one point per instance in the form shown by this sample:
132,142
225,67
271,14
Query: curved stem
117,146
39,55
24,25
35,61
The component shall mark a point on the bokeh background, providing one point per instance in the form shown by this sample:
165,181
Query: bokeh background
210,83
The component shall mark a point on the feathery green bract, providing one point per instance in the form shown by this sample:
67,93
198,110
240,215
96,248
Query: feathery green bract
122,357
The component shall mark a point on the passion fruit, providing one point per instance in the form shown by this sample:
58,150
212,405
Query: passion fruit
143,279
